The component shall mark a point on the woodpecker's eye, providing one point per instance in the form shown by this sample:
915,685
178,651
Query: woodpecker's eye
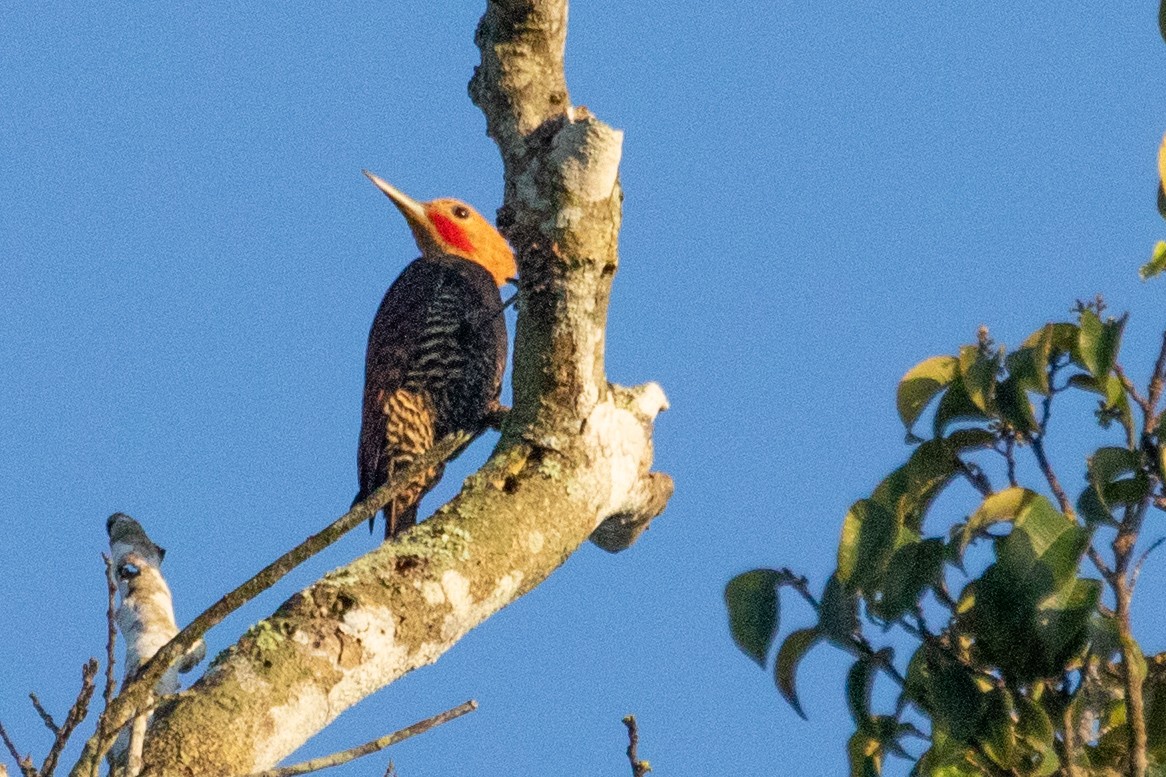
461,211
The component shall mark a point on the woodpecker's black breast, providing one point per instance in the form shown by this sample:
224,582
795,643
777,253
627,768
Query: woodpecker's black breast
436,354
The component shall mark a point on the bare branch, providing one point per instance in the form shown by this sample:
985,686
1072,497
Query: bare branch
1132,390
136,692
639,768
22,761
1123,589
1099,562
975,477
1037,441
110,634
1142,560
1157,382
44,715
1038,449
1069,744
374,746
74,717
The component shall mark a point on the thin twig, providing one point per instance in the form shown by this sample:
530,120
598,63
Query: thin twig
134,693
24,763
1099,562
374,746
1038,449
1132,390
110,630
74,717
975,476
1069,742
800,584
1122,584
44,715
1157,382
1010,458
1142,560
639,768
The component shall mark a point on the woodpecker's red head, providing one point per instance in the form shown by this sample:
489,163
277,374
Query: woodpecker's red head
448,226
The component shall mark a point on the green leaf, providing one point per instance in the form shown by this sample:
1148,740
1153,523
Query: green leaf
1015,505
1033,724
1029,367
998,734
971,439
1157,261
1091,508
790,654
1062,339
1103,387
1154,689
1099,343
870,533
945,758
978,374
1115,401
920,385
909,490
955,406
912,568
752,601
838,612
1012,402
957,704
859,682
1029,613
864,755
1162,19
1110,490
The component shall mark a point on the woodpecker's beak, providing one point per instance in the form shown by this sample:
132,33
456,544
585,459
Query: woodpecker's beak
413,211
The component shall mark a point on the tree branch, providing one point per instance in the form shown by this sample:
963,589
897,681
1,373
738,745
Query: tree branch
139,688
375,746
73,718
575,452
639,768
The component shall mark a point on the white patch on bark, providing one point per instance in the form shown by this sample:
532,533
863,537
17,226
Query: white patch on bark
650,400
432,592
507,586
374,629
535,541
457,592
586,154
620,440
306,712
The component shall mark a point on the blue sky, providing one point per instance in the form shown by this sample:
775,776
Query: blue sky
818,195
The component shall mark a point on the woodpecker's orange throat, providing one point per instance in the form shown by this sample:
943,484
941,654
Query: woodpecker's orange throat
448,226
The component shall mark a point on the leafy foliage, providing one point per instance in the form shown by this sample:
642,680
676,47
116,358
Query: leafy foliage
1019,666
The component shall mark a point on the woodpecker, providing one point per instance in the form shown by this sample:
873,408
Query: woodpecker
436,349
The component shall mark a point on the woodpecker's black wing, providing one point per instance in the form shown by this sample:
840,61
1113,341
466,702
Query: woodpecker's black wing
436,354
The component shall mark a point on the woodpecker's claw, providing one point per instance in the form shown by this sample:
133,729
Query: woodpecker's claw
494,416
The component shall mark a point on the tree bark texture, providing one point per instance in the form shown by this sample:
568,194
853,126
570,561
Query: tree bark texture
573,461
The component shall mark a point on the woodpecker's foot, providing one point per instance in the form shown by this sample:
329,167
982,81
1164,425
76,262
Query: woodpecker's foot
495,415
